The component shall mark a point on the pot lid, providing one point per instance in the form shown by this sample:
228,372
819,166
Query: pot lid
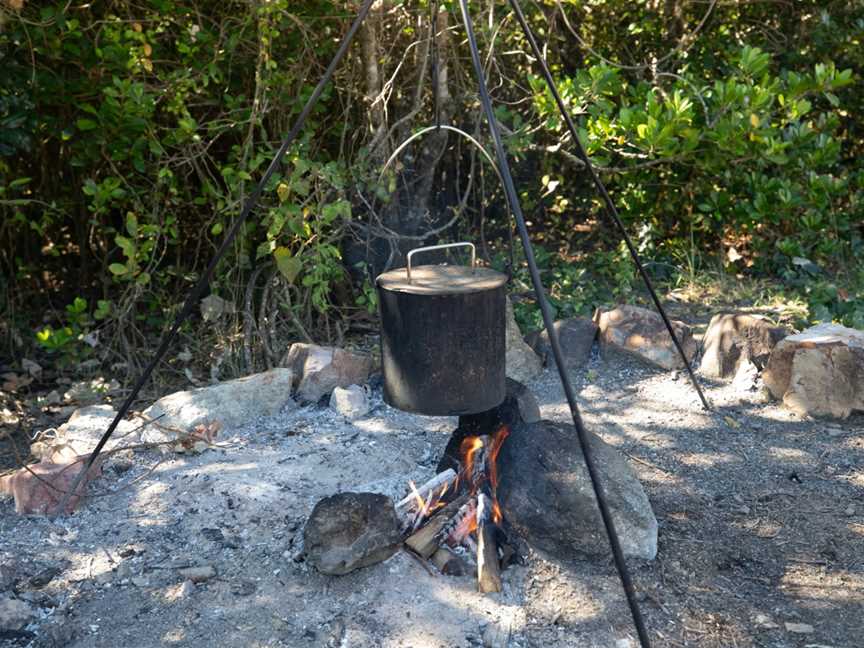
441,280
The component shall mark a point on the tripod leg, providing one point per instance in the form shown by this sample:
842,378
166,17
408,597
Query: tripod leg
611,211
204,281
516,207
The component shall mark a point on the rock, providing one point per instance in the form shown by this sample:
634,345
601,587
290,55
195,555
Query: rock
351,402
546,496
140,581
198,574
733,339
642,332
186,590
746,377
38,488
521,362
318,370
31,367
348,531
799,628
44,577
576,336
819,372
14,614
519,406
764,621
232,403
80,434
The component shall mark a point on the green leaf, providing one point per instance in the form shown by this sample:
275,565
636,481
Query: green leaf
288,264
264,249
103,309
284,191
86,125
118,269
127,245
132,224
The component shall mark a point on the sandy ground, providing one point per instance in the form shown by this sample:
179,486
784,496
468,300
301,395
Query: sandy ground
761,525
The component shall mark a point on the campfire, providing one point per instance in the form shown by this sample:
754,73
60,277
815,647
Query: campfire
455,520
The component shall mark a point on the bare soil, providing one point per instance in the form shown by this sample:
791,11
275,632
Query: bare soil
761,525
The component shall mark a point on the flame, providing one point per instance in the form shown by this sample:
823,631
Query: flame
497,441
420,503
496,512
469,448
438,501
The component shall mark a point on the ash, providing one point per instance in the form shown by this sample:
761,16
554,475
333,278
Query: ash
204,550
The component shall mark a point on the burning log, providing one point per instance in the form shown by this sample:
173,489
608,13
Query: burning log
460,525
488,569
427,540
449,563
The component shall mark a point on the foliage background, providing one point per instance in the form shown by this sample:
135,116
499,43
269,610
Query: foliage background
130,133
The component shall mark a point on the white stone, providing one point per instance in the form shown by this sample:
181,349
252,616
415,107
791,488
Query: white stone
351,402
231,404
80,434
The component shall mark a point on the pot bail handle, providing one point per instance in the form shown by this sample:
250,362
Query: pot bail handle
442,247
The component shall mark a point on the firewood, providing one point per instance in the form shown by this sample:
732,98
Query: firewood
448,563
427,489
480,461
488,569
459,525
425,541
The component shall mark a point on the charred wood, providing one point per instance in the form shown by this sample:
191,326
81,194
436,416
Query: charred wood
488,568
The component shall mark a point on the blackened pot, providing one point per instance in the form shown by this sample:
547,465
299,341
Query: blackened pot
443,338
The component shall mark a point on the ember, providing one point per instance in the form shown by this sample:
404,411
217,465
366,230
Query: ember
456,516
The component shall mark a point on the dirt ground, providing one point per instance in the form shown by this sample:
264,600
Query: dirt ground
761,520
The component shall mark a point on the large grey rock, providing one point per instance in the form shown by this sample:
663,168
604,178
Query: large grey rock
576,336
231,403
642,332
348,531
522,363
819,372
352,402
546,496
14,614
736,339
318,370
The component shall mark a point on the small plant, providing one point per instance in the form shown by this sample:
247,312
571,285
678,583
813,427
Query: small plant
73,341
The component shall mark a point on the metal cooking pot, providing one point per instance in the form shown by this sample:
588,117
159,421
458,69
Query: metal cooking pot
443,336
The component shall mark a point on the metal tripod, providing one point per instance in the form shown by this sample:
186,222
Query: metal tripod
515,207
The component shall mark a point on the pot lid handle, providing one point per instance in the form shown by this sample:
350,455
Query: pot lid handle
441,247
